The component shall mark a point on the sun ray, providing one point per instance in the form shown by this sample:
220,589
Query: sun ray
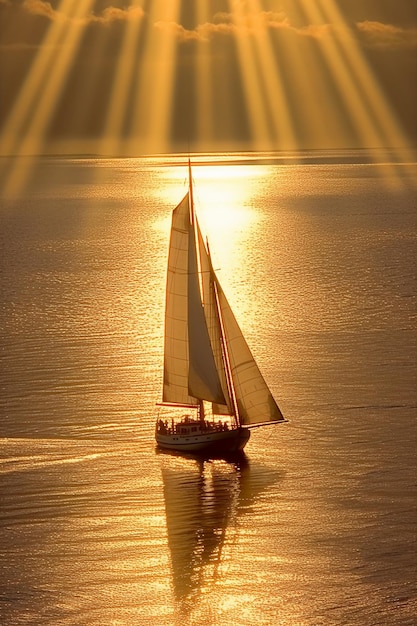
386,124
153,102
364,102
204,83
126,66
33,84
57,76
45,90
302,83
344,80
250,77
289,78
277,101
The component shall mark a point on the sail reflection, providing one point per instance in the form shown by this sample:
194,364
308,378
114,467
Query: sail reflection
204,501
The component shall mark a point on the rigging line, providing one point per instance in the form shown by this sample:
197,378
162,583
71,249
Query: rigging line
190,182
227,364
192,273
274,423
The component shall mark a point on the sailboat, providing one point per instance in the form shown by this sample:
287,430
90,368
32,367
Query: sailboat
209,370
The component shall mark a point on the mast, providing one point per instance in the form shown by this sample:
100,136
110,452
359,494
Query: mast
190,185
200,408
227,367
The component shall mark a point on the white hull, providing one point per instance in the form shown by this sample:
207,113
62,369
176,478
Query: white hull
213,442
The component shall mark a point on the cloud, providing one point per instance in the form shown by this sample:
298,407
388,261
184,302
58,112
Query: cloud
387,35
107,16
251,21
177,30
374,34
114,14
41,8
224,24
240,21
246,24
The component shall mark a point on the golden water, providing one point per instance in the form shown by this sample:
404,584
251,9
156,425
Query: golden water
316,525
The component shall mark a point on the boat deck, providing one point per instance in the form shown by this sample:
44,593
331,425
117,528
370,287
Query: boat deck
194,435
189,426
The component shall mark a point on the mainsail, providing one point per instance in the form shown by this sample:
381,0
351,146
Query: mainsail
176,365
190,372
206,355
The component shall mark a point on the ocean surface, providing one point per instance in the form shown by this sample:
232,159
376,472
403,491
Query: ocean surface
316,524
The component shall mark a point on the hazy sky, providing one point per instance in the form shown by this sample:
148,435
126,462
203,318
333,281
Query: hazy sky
120,76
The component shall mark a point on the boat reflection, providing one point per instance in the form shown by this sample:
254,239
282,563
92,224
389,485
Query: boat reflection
204,500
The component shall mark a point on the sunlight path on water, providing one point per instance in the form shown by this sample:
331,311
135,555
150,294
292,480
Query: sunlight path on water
317,527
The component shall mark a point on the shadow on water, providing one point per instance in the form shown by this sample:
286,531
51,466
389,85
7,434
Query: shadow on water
205,500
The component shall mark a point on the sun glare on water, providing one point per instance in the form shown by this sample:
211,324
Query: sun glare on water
224,197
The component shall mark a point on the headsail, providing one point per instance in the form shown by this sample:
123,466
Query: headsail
211,312
255,402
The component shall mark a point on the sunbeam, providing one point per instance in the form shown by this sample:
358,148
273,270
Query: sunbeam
32,86
386,125
88,76
126,67
204,82
363,111
44,88
153,102
260,132
276,102
57,76
344,80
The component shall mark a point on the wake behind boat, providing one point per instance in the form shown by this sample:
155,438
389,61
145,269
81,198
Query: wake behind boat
209,369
